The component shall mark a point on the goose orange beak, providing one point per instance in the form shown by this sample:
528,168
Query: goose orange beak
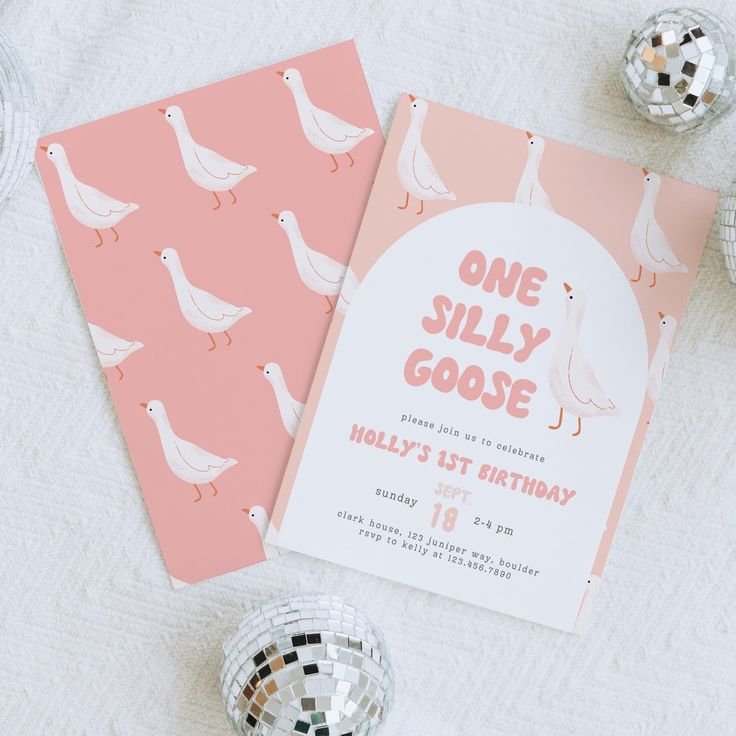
44,148
261,367
246,510
275,215
412,98
645,171
281,74
162,110
567,286
529,135
157,252
660,315
144,404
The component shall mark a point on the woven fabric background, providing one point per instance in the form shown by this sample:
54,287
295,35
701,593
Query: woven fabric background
93,640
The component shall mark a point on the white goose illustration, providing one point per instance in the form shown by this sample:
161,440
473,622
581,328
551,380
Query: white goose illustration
289,408
318,271
649,244
91,207
112,350
661,357
201,309
572,380
186,460
325,131
416,171
207,168
530,191
259,518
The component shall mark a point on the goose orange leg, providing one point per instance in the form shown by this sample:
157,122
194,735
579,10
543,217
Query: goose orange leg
214,490
406,203
199,493
334,161
229,339
232,194
352,163
421,207
217,206
638,276
332,306
654,280
99,235
580,428
214,344
559,421
120,377
115,233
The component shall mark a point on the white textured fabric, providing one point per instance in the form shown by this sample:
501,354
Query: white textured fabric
93,640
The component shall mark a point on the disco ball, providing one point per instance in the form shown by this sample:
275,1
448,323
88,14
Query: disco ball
18,120
306,664
727,223
679,68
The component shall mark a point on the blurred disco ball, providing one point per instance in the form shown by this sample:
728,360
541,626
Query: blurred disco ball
308,664
727,223
18,120
679,68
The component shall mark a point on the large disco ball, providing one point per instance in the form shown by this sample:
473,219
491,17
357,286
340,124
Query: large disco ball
306,664
679,68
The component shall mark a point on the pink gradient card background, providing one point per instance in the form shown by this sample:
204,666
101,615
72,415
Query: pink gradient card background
218,399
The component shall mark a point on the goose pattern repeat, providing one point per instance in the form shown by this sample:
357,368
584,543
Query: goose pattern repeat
192,181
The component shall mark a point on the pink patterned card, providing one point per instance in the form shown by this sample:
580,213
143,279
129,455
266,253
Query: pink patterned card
208,234
476,415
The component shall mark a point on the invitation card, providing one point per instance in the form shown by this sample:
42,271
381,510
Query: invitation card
478,409
208,236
